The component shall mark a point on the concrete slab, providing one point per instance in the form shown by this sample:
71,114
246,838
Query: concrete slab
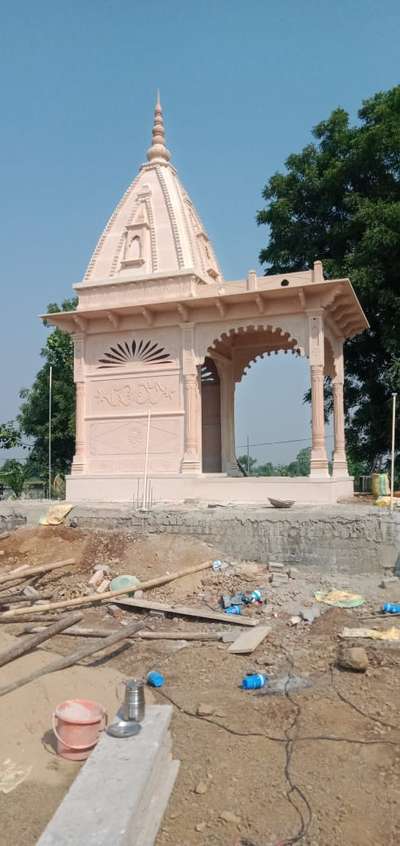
121,793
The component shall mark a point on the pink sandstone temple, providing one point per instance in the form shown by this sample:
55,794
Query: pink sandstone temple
161,339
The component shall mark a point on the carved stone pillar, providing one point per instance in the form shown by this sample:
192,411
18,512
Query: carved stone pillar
78,464
191,462
340,470
319,458
227,391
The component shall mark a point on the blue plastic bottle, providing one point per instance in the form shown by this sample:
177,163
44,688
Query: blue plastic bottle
391,608
233,609
254,681
155,679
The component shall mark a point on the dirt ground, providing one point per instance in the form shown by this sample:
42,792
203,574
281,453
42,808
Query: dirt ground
310,768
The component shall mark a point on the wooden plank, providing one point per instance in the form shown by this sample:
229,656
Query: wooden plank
27,618
62,662
34,571
93,598
28,643
248,641
184,611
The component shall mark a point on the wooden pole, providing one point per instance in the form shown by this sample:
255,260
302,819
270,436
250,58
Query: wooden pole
394,396
80,631
111,594
50,409
34,571
28,643
63,662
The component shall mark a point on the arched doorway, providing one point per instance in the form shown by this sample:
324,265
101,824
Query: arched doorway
227,360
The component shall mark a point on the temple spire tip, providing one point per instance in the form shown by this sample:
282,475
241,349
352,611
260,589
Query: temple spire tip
158,151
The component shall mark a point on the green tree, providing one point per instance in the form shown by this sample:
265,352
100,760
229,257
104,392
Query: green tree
10,436
247,463
339,201
303,461
34,412
14,475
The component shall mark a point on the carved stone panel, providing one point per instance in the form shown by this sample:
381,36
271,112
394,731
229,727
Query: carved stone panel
118,446
113,396
151,350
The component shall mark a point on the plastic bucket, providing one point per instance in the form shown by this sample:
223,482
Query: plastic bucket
77,724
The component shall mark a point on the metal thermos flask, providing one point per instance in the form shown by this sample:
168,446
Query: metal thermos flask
133,707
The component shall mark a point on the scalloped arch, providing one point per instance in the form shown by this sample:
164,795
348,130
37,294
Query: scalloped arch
209,336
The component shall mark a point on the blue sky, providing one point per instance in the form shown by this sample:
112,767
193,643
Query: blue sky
242,84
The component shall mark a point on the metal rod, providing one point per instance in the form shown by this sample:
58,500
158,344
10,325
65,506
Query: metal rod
394,397
50,403
248,454
146,461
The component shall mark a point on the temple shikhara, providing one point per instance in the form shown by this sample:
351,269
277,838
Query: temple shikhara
161,339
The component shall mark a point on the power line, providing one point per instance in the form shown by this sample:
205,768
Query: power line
274,443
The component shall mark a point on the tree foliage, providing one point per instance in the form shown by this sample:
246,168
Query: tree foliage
14,474
339,201
10,435
299,467
33,418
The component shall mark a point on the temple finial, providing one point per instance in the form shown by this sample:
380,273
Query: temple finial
158,150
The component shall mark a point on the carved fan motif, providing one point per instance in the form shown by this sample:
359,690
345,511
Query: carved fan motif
209,372
125,353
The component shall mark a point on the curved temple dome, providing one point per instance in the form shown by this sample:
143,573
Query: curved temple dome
155,228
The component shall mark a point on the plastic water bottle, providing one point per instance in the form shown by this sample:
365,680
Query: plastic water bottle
233,609
155,679
391,608
217,565
254,681
254,597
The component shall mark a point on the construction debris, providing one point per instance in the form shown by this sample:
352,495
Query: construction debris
340,598
248,641
373,634
204,710
279,579
353,658
181,610
67,661
23,573
29,643
94,597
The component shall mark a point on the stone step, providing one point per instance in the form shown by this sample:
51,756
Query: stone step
120,795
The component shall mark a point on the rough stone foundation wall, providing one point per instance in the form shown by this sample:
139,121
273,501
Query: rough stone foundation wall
355,539
352,539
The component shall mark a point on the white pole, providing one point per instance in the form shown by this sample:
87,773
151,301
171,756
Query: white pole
248,454
146,461
50,398
394,396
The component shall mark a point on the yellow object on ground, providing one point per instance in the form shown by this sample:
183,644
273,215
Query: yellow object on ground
56,514
340,598
383,501
373,634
